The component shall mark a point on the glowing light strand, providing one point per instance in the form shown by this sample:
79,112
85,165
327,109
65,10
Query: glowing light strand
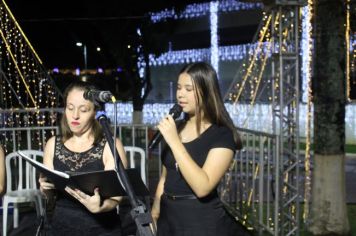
202,9
22,33
306,50
214,50
347,39
258,83
253,60
226,53
25,78
17,67
306,70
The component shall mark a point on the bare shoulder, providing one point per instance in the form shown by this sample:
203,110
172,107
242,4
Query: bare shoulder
51,139
49,151
50,142
118,145
108,157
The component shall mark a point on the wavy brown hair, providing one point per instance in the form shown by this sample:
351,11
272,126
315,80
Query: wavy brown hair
96,127
208,97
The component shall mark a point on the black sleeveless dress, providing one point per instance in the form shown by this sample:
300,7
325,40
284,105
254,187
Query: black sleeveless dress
70,217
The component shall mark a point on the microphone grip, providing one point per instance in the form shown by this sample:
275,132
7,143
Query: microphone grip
156,139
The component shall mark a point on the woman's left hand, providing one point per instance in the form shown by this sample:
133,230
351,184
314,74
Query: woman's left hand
92,203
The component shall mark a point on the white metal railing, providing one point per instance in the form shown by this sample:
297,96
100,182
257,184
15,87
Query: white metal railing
250,189
26,137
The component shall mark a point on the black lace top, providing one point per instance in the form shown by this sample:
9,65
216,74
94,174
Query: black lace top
70,217
66,160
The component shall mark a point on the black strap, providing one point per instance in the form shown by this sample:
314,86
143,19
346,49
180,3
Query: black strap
180,197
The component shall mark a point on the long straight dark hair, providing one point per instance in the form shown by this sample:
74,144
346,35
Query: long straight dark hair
96,127
208,97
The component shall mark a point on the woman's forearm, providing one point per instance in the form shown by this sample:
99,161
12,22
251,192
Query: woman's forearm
155,211
2,189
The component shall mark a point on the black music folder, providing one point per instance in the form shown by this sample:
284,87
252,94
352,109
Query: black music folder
106,180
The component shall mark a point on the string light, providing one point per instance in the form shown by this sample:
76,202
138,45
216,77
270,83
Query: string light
18,28
17,68
141,63
347,39
353,56
253,58
202,9
307,47
214,48
259,79
306,50
226,53
26,85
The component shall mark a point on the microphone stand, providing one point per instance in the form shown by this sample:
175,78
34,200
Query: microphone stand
139,213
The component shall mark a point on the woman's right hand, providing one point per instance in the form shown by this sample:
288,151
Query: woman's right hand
45,185
154,218
155,214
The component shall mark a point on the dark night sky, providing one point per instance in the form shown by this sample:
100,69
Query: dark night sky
53,27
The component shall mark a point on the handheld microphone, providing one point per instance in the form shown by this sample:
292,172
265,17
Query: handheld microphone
97,95
175,111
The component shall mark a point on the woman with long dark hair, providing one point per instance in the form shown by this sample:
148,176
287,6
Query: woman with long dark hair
195,157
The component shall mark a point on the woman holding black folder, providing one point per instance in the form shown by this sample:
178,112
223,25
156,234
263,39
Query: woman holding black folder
195,157
81,147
